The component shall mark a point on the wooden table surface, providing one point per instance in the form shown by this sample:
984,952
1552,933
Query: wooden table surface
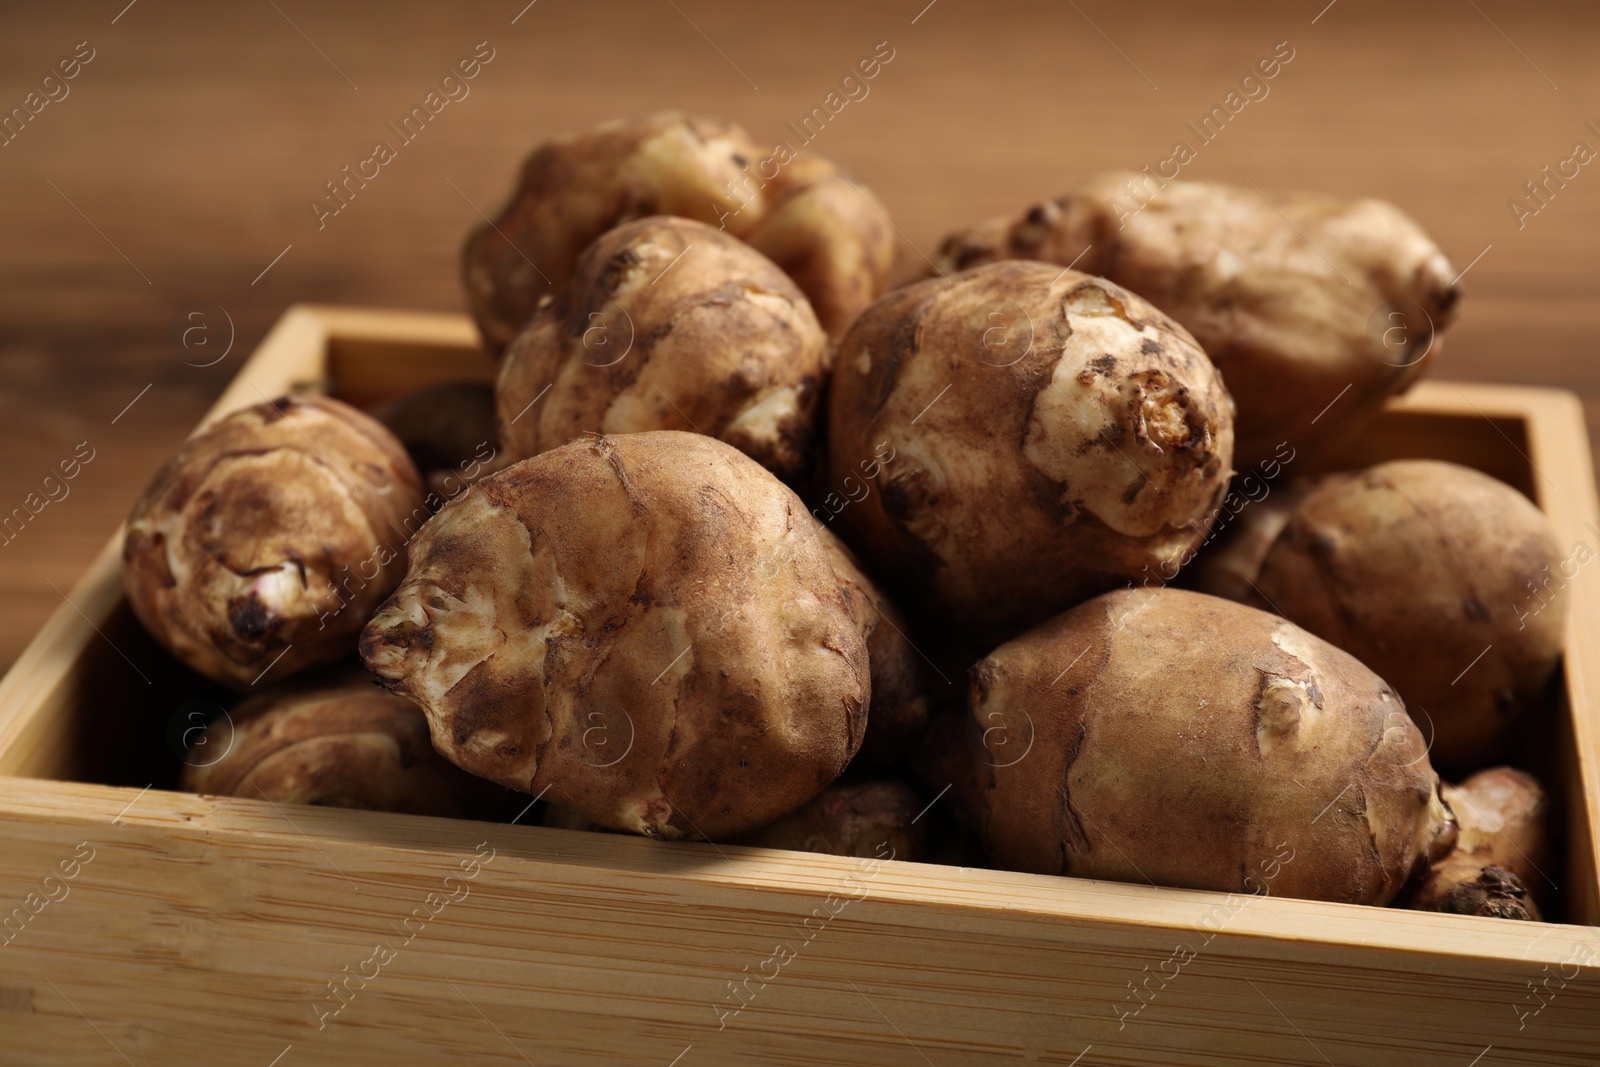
180,166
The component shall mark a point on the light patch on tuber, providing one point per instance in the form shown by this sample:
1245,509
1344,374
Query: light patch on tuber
1283,705
437,639
1085,407
765,418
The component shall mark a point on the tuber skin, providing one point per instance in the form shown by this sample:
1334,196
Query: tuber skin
1169,737
267,541
1505,841
1492,892
669,324
641,628
343,744
899,710
829,232
1441,579
870,820
1039,435
832,236
1294,299
1229,568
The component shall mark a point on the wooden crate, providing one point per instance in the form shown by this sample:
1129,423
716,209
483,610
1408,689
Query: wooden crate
211,931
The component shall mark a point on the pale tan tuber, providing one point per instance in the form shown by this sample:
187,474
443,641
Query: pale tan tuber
1168,737
1034,436
1314,308
342,744
644,629
829,232
1443,580
1498,866
668,324
265,543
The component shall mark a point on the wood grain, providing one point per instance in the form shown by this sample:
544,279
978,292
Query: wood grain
205,932
194,141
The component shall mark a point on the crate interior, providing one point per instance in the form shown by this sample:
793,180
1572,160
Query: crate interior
127,699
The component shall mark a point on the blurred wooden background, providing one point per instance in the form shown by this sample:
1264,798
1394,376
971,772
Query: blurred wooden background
186,153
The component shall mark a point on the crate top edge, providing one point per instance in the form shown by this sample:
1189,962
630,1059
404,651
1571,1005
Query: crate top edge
1488,399
375,323
378,324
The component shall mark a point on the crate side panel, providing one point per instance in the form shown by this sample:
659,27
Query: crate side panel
367,372
1496,445
492,939
1564,472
